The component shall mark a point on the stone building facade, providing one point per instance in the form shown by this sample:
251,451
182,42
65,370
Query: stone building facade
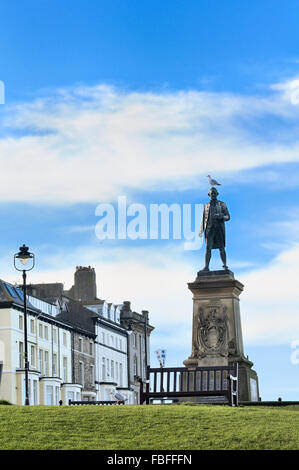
119,321
83,335
92,349
140,329
83,370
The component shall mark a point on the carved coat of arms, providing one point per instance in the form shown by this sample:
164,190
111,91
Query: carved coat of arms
211,332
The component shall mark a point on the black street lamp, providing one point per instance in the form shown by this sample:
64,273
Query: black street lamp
24,256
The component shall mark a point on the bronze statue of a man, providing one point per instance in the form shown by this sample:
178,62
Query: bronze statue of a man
215,213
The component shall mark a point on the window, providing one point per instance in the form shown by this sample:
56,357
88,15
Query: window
112,340
135,340
135,366
65,369
49,395
32,356
40,330
103,369
54,364
81,373
40,360
92,374
21,322
11,290
46,332
64,339
70,396
56,395
46,362
120,344
80,344
108,394
21,355
108,370
112,369
34,383
54,335
116,371
20,294
32,329
120,375
90,348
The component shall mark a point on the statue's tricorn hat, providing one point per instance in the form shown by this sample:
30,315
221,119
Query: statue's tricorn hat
213,189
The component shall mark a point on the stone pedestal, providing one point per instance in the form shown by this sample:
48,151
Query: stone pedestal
216,331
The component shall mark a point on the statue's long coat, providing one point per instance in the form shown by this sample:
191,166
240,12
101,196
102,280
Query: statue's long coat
221,209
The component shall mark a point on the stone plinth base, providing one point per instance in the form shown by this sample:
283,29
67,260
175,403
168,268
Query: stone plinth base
216,331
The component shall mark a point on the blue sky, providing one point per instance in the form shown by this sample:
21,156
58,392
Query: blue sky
144,99
147,44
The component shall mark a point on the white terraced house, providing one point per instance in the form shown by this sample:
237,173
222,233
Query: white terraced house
49,351
79,346
111,352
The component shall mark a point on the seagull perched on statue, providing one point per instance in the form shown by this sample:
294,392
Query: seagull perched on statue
213,182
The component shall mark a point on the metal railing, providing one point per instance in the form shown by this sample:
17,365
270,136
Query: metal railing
107,402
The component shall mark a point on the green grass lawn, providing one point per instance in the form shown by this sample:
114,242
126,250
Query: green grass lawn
156,427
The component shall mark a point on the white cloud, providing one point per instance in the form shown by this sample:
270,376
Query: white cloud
290,90
270,303
156,280
90,143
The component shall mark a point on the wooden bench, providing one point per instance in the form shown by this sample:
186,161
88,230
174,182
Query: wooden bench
180,382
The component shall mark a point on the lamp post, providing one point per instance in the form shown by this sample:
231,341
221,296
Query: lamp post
24,256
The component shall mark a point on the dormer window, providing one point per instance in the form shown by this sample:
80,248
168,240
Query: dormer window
105,310
117,315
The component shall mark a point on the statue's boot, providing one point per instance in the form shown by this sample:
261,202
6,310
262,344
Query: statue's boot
208,259
223,259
